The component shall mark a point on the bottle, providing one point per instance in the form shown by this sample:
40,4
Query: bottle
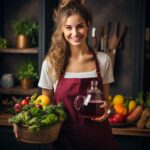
90,106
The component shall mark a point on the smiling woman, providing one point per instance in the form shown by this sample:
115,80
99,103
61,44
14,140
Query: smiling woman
69,67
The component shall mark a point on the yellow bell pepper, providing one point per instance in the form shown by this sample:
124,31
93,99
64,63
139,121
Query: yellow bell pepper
132,105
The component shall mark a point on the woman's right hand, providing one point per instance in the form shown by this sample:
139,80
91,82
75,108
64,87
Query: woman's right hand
15,130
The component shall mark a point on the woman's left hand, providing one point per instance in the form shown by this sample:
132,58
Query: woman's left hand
105,115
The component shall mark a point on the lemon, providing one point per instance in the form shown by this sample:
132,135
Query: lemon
43,100
118,99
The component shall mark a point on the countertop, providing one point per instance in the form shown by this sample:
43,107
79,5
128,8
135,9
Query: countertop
126,131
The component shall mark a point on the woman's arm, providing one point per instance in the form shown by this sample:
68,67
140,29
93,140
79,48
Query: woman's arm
49,93
106,106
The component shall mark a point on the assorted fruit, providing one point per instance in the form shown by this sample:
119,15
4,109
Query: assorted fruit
126,110
36,112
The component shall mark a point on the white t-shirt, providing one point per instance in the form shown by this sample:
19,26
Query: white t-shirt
106,71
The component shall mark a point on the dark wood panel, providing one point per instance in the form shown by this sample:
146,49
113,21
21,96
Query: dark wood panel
128,65
22,51
18,91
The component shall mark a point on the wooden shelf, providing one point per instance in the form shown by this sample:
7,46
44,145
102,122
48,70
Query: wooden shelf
17,91
4,119
21,51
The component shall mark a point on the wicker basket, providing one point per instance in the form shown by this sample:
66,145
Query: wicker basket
44,135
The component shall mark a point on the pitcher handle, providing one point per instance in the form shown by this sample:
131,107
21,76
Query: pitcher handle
106,112
78,107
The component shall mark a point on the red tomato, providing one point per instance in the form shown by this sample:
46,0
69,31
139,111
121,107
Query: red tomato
24,102
110,119
115,119
119,117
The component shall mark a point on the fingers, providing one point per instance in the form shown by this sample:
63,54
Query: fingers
104,105
100,119
15,130
105,115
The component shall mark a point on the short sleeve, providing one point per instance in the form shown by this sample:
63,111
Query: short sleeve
106,69
45,80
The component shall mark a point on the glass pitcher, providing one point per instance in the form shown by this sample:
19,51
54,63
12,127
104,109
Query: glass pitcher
89,106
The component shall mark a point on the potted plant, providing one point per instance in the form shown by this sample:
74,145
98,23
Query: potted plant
27,73
3,43
25,31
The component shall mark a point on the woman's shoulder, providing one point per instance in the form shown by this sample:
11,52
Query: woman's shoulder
46,63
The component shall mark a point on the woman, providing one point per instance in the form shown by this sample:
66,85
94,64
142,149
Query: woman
68,70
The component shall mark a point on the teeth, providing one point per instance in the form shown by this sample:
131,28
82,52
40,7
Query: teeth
76,39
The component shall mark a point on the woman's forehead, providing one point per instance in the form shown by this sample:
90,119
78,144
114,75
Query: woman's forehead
73,19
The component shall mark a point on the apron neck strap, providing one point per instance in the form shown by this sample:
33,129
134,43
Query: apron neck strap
97,64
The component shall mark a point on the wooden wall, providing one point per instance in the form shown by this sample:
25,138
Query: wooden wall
128,69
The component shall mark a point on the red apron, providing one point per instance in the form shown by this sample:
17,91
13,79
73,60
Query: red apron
78,133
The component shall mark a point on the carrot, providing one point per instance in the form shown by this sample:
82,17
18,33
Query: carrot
135,114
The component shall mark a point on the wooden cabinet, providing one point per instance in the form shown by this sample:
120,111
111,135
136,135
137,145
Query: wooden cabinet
36,10
13,53
41,12
11,57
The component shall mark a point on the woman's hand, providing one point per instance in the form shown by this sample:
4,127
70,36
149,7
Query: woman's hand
15,130
105,115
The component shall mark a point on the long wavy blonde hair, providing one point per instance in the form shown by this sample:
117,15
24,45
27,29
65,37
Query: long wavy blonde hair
59,50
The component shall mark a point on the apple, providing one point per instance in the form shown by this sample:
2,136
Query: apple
24,102
17,107
38,106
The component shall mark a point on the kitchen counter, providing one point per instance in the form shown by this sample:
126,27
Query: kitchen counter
131,131
127,131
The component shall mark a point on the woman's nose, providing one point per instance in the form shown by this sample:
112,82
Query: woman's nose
75,31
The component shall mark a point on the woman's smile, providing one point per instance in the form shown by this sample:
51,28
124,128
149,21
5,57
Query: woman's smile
75,30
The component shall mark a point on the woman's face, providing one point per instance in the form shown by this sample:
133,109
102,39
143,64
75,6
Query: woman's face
75,30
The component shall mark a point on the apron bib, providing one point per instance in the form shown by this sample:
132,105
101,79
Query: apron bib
79,133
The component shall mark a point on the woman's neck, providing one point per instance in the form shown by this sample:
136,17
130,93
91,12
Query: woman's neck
79,51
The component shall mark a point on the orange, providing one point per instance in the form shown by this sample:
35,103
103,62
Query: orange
43,100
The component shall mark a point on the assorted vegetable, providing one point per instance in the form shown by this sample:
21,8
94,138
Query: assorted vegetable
37,115
144,121
135,114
